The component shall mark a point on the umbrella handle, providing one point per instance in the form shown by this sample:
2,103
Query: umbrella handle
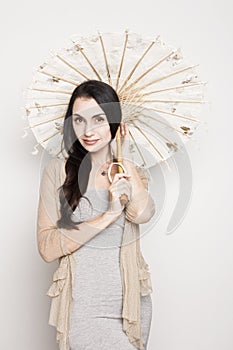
123,198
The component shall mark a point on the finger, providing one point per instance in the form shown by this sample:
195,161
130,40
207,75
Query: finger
124,182
126,133
121,190
122,174
122,128
126,129
117,189
118,176
123,186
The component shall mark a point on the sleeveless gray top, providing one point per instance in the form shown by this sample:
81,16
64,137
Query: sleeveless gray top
97,285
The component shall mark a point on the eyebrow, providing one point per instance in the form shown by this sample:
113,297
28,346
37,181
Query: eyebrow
96,115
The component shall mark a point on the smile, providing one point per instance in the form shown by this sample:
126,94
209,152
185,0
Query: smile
92,142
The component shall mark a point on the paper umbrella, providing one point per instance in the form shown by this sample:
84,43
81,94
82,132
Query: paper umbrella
159,91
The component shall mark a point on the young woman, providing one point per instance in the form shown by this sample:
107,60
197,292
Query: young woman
89,223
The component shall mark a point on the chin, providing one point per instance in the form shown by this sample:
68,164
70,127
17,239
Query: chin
92,148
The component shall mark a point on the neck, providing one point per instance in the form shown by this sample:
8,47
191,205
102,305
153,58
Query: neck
100,157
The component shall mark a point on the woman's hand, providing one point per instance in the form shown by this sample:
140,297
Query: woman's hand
119,185
125,143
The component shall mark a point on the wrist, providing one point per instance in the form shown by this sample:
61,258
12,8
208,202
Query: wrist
111,216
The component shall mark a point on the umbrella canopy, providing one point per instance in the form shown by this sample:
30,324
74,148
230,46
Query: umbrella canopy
159,90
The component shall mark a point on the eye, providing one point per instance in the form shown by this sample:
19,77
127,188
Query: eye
99,119
78,119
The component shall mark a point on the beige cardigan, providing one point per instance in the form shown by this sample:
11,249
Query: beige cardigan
134,270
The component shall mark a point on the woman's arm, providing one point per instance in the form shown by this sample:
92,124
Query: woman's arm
141,207
55,242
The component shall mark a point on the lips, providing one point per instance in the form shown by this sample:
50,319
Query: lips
90,142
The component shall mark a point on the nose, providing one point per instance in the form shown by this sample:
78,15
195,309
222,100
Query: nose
88,129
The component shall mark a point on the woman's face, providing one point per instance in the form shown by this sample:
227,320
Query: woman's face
90,123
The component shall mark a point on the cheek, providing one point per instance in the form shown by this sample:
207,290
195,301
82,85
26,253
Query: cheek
77,130
106,133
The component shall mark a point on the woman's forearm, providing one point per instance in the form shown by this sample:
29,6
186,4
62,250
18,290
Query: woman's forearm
55,242
87,230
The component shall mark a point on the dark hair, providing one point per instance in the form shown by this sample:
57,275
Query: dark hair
78,164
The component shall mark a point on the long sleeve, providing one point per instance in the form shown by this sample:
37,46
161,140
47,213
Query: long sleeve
54,242
50,241
145,200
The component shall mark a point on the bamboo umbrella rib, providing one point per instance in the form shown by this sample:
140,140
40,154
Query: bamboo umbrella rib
128,114
165,77
130,96
157,132
105,60
160,134
122,59
136,65
45,98
47,106
46,121
173,88
128,100
59,152
159,101
134,97
78,48
146,137
175,115
56,91
161,122
178,101
133,108
50,137
150,69
166,112
59,78
134,100
131,92
72,67
130,111
139,151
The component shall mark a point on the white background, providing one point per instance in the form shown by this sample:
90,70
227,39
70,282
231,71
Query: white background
191,268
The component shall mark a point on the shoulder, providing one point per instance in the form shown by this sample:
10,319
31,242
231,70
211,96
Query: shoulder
144,175
143,172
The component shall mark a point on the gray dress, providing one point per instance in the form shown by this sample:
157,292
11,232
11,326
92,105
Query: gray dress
95,318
